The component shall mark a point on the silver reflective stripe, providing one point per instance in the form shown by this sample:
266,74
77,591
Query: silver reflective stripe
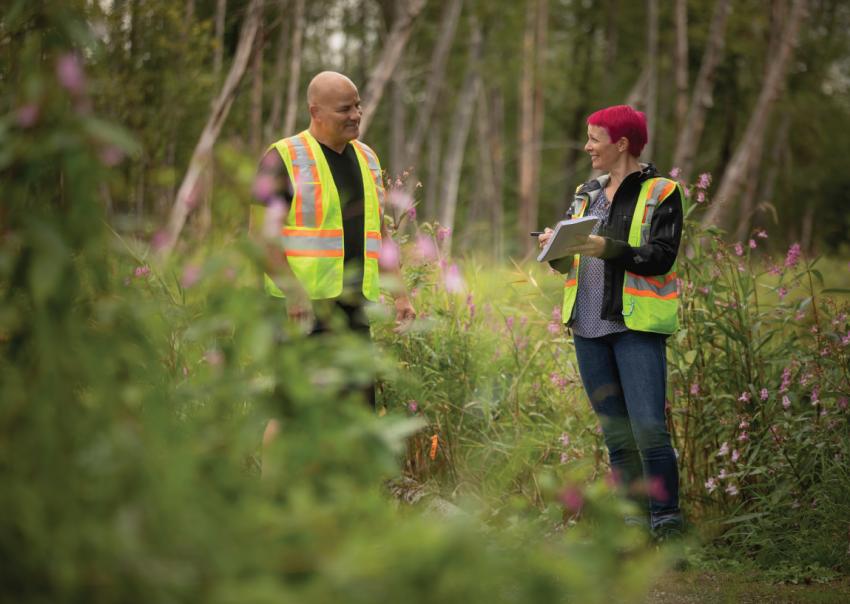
373,245
374,168
306,182
312,243
651,284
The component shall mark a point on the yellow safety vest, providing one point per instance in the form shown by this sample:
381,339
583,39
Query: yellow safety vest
312,238
649,303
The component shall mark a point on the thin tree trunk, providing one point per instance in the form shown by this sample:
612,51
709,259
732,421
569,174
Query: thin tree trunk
526,130
459,133
218,55
680,60
701,101
256,139
294,70
436,77
432,184
539,110
276,113
203,150
390,56
397,164
755,131
497,147
651,106
486,197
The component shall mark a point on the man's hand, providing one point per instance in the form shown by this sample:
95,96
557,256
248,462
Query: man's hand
404,311
298,305
593,246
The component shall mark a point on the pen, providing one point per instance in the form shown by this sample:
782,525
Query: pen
536,233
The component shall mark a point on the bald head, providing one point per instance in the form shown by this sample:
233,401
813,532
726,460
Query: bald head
328,85
334,109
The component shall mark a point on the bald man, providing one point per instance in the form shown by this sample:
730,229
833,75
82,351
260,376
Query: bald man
324,259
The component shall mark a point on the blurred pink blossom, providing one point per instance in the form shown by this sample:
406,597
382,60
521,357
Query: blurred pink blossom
656,489
264,187
509,322
411,213
732,490
723,475
564,439
159,240
745,397
69,72
739,249
815,395
412,406
564,458
743,425
761,233
273,219
572,498
675,173
191,275
775,270
724,449
695,389
453,280
27,115
443,233
426,249
553,328
700,196
786,379
711,485
400,199
389,255
752,243
786,402
704,180
744,437
735,456
764,394
142,271
782,292
111,156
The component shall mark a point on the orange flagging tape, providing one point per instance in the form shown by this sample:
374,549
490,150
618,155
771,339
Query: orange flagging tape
434,440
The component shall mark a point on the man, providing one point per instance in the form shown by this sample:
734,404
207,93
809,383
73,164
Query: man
326,190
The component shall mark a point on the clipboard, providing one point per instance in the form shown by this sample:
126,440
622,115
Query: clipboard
568,233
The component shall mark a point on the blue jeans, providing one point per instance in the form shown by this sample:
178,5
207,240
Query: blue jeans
625,376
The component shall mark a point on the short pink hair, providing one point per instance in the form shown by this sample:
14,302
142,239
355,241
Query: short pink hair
620,121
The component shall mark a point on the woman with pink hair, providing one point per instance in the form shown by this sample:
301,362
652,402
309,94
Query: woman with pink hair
621,302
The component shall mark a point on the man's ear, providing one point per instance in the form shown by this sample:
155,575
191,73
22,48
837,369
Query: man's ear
314,111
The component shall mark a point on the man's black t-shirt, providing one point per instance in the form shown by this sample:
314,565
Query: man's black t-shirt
345,170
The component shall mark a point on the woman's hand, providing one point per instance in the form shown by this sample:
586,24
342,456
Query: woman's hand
545,236
593,246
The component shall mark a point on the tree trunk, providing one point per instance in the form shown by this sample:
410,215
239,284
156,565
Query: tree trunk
453,162
680,60
390,56
701,101
220,12
186,195
273,130
651,106
496,138
487,199
526,131
256,139
436,76
755,131
541,30
294,70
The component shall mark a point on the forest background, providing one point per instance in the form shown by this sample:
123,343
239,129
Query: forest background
139,365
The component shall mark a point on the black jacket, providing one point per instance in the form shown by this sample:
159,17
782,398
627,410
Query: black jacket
654,258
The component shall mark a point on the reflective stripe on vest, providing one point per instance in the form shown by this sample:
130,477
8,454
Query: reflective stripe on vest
313,238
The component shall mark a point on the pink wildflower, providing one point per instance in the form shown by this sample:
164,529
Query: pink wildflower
695,389
782,292
764,394
846,339
656,489
426,249
453,280
509,322
264,187
564,458
761,233
141,271
775,270
27,115
752,243
724,449
739,249
711,485
412,406
735,455
191,275
443,233
786,402
732,490
675,173
745,397
704,181
553,328
273,219
564,439
793,256
786,380
700,196
69,72
743,437
815,395
744,424
389,254
572,498
723,475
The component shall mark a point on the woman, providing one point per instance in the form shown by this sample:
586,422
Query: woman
620,301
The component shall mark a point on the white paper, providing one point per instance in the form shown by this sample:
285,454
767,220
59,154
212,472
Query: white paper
568,233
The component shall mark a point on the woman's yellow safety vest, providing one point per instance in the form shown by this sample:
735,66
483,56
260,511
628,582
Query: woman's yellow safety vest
649,303
312,238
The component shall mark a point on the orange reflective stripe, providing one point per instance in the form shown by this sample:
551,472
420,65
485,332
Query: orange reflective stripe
373,234
296,179
311,232
316,253
570,283
317,201
650,294
667,190
372,255
667,279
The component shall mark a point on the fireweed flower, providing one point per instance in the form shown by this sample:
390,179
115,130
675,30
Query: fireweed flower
786,402
509,322
426,249
675,173
564,439
273,218
722,475
761,233
564,458
27,115
388,257
732,490
553,328
815,395
453,280
695,389
191,275
735,455
775,270
739,249
745,397
764,394
700,196
704,181
793,256
744,436
711,485
572,498
744,424
724,449
752,243
141,271
782,292
69,73
412,406
443,233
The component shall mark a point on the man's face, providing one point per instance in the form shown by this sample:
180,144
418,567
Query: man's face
338,114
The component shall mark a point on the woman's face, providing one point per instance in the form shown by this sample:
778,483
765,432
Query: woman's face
603,153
